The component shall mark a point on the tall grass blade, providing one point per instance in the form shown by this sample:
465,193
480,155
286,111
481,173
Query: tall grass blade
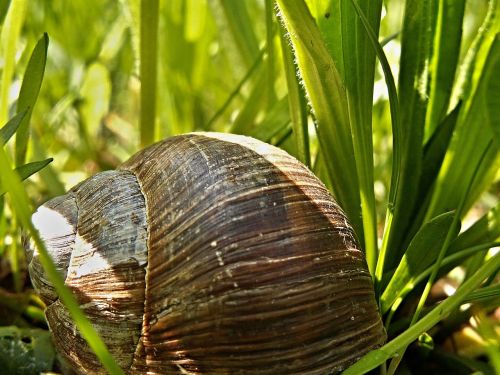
20,204
446,48
421,253
148,69
32,81
327,97
296,102
11,29
240,27
413,89
378,356
396,141
358,76
474,132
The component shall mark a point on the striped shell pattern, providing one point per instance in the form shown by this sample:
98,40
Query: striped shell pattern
208,253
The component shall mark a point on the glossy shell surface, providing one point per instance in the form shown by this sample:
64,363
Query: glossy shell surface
209,253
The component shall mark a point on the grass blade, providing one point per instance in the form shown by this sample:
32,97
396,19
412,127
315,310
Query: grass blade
11,127
487,228
472,136
296,103
11,29
328,100
444,61
396,140
415,54
240,27
148,69
20,204
236,91
377,357
32,81
358,76
27,170
421,253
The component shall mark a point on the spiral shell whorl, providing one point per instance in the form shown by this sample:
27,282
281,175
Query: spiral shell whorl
251,265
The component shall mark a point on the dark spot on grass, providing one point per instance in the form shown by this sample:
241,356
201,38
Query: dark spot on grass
327,15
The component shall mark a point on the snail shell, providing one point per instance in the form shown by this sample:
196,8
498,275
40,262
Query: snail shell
209,253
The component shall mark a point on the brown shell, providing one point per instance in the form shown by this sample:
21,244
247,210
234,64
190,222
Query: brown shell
251,265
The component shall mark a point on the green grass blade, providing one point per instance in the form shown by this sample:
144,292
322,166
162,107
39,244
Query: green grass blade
271,59
474,132
246,120
11,127
277,119
396,140
327,98
358,76
240,26
437,265
487,228
435,150
29,169
253,68
377,357
421,253
32,81
11,29
413,89
444,61
296,102
486,293
491,93
148,69
20,204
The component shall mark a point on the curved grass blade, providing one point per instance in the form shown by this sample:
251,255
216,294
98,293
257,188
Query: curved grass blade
27,170
20,204
378,356
446,265
32,81
11,127
473,133
421,253
236,90
327,98
413,89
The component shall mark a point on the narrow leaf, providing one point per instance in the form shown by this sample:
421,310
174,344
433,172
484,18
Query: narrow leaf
473,135
421,253
328,100
378,356
296,102
32,81
486,229
396,142
491,91
446,48
148,68
27,170
20,204
11,127
241,29
413,89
